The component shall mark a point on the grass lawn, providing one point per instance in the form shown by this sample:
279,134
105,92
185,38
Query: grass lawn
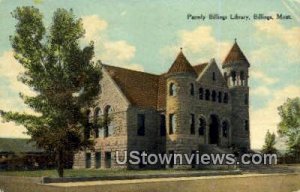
90,172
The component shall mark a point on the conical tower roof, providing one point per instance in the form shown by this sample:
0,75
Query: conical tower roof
235,54
181,65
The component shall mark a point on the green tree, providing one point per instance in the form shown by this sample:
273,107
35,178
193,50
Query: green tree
270,142
289,125
63,77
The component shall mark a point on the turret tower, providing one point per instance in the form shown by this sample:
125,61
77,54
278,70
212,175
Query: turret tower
181,89
236,74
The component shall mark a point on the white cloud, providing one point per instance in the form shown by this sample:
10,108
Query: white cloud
199,44
267,118
282,39
12,130
93,25
261,91
10,69
264,78
117,53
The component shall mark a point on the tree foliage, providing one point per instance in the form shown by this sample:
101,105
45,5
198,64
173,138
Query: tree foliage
289,125
269,146
61,74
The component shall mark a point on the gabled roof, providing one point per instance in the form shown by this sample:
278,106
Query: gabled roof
140,88
144,89
181,65
235,54
199,68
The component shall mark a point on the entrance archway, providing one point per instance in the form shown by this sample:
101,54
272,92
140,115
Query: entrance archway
214,130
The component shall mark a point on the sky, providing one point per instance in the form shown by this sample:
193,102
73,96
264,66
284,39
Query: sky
147,35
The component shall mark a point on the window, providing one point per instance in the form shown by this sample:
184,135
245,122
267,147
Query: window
162,125
107,123
192,124
220,97
214,96
172,123
246,99
141,125
202,125
233,76
192,90
201,93
246,125
225,100
242,77
213,76
96,120
172,89
88,160
225,129
98,160
87,130
207,95
107,159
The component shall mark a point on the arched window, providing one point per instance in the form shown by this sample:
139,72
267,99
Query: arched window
202,125
201,93
233,77
107,110
246,99
172,89
172,123
107,124
214,96
207,94
96,120
225,100
225,129
246,125
87,130
213,76
192,89
97,115
220,97
242,77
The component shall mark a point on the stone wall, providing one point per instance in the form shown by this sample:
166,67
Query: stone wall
111,96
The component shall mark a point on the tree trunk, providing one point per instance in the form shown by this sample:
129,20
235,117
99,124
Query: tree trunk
60,163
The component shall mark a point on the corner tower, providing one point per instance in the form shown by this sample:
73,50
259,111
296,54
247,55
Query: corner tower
236,74
180,81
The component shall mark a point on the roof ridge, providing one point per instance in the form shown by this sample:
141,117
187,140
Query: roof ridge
106,65
200,64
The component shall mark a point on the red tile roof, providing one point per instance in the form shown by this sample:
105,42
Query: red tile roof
144,89
140,88
235,54
181,65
